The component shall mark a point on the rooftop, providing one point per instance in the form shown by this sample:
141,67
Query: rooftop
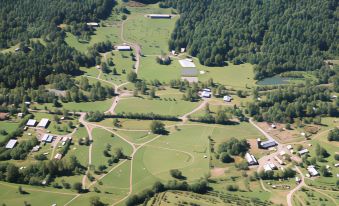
125,47
11,143
43,123
31,122
187,63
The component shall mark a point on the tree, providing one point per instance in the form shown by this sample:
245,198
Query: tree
95,201
132,77
176,173
157,127
12,174
333,135
77,186
226,158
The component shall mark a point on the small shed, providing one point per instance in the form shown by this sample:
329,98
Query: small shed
124,48
228,98
93,24
11,144
159,16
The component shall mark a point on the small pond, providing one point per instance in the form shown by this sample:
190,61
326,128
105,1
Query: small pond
276,80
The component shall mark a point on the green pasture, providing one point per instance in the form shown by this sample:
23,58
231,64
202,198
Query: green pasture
100,139
10,196
151,34
156,106
8,127
100,106
102,34
79,151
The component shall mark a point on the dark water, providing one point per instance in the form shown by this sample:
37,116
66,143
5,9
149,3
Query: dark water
276,80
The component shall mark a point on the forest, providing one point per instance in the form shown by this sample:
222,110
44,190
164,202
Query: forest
24,19
276,36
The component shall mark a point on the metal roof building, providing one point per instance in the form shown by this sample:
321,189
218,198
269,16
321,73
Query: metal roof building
268,144
159,16
250,159
124,48
31,123
11,144
187,63
43,123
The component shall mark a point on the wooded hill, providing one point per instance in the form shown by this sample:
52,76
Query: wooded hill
23,19
277,36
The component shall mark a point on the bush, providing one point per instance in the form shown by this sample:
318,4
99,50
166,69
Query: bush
176,173
226,158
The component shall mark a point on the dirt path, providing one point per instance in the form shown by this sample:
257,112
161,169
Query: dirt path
184,118
301,184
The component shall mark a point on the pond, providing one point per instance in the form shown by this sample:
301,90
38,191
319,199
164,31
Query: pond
276,80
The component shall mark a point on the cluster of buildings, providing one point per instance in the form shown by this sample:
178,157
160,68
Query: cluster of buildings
44,122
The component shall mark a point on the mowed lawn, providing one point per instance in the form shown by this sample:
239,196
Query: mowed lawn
8,127
100,140
156,106
100,106
101,34
151,70
10,196
151,34
184,149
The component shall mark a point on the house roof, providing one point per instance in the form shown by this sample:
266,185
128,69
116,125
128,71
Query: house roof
43,122
31,122
268,143
125,47
189,72
159,15
250,158
11,143
186,63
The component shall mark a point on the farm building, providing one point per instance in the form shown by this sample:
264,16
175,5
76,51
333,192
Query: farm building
269,167
93,24
47,138
187,63
289,147
11,144
31,123
304,151
267,144
227,98
182,50
20,115
159,16
43,123
312,171
36,148
250,159
124,48
58,156
206,93
189,72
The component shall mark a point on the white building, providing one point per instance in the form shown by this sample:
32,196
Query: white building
269,166
304,151
43,123
20,115
58,156
31,123
94,24
159,16
47,138
289,147
11,144
182,50
187,63
124,48
312,171
250,159
228,98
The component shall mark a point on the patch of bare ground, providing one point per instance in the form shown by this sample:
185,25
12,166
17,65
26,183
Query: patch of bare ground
280,132
217,172
135,4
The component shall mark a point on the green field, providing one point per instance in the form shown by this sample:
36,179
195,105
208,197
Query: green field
8,127
101,34
157,106
100,106
100,139
10,196
151,34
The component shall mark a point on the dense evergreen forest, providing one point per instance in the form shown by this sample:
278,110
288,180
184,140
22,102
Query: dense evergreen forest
24,19
277,36
50,59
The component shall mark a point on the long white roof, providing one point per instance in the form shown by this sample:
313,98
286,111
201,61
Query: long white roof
43,122
125,47
186,63
11,143
31,122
